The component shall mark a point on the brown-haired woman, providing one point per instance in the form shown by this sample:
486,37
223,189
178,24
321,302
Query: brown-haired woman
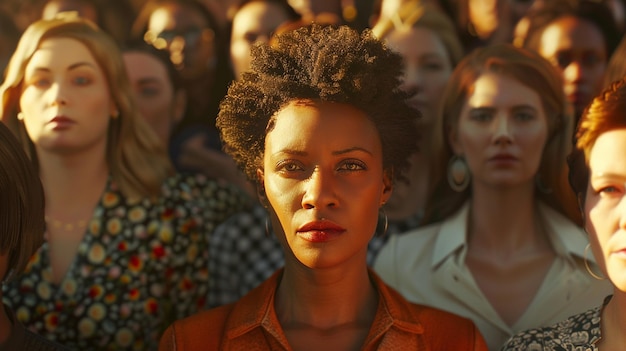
503,248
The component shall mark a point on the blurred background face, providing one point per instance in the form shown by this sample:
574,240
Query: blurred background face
427,67
185,33
253,23
605,205
487,15
578,49
153,92
502,131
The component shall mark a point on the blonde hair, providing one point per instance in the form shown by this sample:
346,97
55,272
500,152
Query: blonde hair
415,14
21,205
533,71
135,156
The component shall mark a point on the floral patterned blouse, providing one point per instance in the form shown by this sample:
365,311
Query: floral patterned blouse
580,332
140,266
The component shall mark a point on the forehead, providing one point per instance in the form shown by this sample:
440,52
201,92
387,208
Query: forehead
321,124
571,33
60,52
607,153
492,89
141,64
175,16
405,39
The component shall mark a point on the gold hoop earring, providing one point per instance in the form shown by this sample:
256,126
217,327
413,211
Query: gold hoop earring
267,227
386,222
598,277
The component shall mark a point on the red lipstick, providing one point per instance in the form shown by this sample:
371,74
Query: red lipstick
61,123
320,231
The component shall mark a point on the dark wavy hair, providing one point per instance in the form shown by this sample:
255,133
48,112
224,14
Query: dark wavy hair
605,113
318,63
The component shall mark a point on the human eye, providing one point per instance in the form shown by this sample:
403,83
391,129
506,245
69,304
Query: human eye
149,91
352,165
480,115
432,65
563,59
289,166
81,80
607,189
590,59
39,81
524,115
250,37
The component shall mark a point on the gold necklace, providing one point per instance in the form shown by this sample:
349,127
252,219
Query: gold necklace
66,226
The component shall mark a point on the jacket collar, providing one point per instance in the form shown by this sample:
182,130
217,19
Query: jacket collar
567,239
256,309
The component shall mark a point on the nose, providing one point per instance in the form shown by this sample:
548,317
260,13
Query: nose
319,190
412,79
57,95
573,72
502,130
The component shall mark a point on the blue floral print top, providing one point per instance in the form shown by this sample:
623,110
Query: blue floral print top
140,266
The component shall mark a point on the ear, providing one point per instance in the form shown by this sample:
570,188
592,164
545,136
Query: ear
453,141
180,106
387,186
260,188
113,110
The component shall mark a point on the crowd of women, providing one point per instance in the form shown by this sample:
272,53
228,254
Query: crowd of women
306,175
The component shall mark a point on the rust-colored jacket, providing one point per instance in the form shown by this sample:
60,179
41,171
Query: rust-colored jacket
251,324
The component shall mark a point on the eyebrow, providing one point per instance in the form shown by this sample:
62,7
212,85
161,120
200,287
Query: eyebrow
336,153
608,175
71,67
514,107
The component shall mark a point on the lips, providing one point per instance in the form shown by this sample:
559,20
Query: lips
320,231
503,157
61,122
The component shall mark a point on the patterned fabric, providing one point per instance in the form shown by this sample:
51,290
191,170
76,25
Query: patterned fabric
141,265
242,255
580,332
23,339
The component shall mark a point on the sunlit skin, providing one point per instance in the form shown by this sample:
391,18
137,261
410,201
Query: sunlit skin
190,43
325,186
605,221
502,131
578,49
154,93
65,103
253,23
605,205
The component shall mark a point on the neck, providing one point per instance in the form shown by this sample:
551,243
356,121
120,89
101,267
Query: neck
71,182
325,298
614,322
505,221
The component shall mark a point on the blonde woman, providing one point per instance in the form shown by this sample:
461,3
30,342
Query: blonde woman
125,249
